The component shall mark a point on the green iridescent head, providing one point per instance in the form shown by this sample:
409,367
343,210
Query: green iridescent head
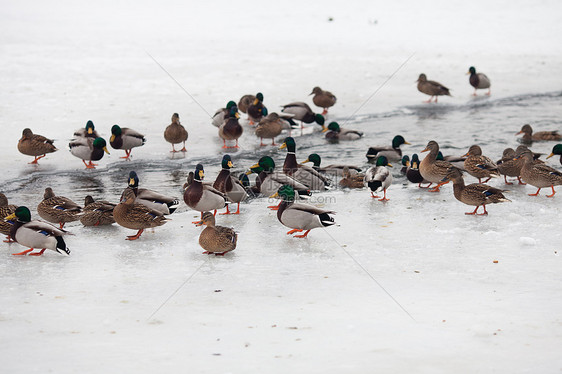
398,140
116,130
23,214
334,126
259,96
382,161
89,127
319,119
226,162
315,159
286,192
290,144
405,160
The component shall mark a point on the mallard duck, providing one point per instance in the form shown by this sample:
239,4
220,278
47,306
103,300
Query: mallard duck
405,164
151,199
231,129
87,132
529,136
479,166
413,172
35,234
252,191
269,127
393,153
125,139
302,173
222,114
478,81
230,186
6,210
299,216
268,180
539,175
332,169
58,209
216,240
302,112
509,167
556,150
97,213
323,99
88,148
475,194
256,110
378,178
136,216
244,102
201,196
336,133
431,88
175,133
35,145
433,170
351,180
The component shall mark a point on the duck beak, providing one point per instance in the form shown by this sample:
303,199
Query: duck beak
389,165
550,155
520,132
283,146
201,174
105,149
305,161
276,194
237,115
414,165
324,128
230,165
256,101
425,150
407,163
466,154
405,142
90,131
112,138
467,73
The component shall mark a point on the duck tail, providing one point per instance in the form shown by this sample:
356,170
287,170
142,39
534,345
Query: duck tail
61,246
374,185
173,205
326,220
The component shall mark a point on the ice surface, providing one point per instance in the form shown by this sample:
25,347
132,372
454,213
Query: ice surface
411,285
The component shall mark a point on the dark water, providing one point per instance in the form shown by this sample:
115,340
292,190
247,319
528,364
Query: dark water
491,123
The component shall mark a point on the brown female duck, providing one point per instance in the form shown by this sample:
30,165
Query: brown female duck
431,88
509,167
214,239
6,210
269,127
529,136
175,133
479,166
323,99
58,209
433,170
97,213
35,145
539,175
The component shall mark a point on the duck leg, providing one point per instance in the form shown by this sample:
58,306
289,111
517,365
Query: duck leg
227,211
200,222
485,212
37,158
384,198
9,239
237,209
40,253
183,149
174,149
489,92
520,181
293,231
23,253
61,224
374,196
553,192
506,182
472,213
274,207
127,154
273,141
325,111
135,237
436,188
303,235
536,193
420,186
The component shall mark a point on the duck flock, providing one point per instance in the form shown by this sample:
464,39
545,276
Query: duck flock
293,184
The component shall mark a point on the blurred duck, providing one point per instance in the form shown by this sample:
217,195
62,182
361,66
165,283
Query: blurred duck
175,133
323,99
230,186
216,240
36,234
431,88
222,114
433,170
245,102
479,166
35,145
479,81
393,153
256,110
413,172
6,210
475,194
299,216
556,150
529,136
269,127
136,216
303,113
58,209
336,133
508,166
231,129
88,148
87,132
332,169
351,180
302,173
405,164
125,139
539,175
378,178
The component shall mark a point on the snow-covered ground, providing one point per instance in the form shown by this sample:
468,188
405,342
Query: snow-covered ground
411,285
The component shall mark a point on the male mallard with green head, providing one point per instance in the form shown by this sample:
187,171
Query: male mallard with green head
302,173
393,153
35,145
302,112
330,170
152,199
88,148
378,178
475,194
336,133
230,186
87,132
269,127
175,133
125,139
216,240
231,129
556,150
478,81
299,216
58,209
201,196
256,110
36,234
6,210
